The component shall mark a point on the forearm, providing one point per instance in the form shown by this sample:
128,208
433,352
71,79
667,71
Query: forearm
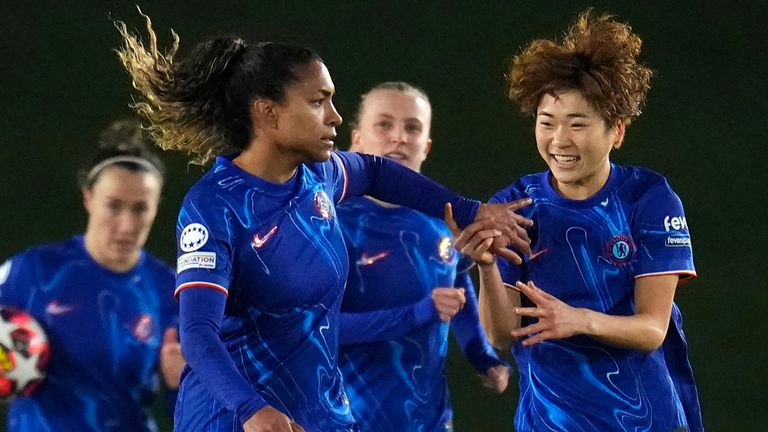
385,324
496,306
469,333
201,311
640,331
396,184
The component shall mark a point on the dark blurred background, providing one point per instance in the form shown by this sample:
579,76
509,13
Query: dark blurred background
703,127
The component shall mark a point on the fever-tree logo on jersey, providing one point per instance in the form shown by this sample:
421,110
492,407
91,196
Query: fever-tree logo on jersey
193,237
323,205
621,249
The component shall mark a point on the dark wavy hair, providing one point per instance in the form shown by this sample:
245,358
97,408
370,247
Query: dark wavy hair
121,144
598,56
201,104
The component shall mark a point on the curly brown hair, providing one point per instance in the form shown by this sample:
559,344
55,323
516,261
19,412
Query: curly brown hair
597,57
201,104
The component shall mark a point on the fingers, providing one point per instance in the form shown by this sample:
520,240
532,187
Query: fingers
449,220
448,302
171,336
296,428
483,228
517,205
507,254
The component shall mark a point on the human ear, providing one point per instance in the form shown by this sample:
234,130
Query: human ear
264,114
621,127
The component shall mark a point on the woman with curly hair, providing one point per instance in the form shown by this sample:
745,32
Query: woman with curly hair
600,346
262,263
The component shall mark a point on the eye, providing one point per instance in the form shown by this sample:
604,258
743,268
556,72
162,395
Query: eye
545,123
383,124
140,209
114,206
413,127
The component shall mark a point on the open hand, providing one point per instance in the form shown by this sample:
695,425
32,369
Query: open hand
556,320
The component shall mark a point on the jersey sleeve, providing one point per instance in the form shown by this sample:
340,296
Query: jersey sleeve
468,331
18,280
662,236
385,324
204,246
201,316
391,182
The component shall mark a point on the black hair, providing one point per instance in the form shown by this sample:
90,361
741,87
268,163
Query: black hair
121,144
201,104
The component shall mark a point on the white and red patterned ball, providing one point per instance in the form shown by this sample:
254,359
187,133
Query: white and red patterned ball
24,353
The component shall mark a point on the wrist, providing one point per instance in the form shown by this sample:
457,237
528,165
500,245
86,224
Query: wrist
587,325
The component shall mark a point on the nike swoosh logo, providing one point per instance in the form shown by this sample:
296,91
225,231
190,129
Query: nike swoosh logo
259,242
365,260
54,308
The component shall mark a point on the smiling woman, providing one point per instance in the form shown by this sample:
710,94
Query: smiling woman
262,261
602,345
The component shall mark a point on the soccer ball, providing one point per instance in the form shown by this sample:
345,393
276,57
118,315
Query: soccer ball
24,353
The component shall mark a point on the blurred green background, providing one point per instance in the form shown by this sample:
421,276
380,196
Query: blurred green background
703,127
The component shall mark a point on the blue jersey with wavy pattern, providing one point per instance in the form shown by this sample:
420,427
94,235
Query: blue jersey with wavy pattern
397,256
105,331
590,254
277,252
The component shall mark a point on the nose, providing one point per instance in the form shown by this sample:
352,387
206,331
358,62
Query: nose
398,135
334,118
560,137
127,223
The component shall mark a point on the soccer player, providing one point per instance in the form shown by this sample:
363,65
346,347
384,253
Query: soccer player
262,263
396,378
601,345
106,305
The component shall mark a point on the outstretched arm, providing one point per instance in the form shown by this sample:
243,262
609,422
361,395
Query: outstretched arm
394,183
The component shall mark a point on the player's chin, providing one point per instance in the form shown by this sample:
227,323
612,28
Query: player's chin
321,155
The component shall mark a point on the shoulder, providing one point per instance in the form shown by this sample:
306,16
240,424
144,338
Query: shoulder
52,254
157,266
524,187
643,184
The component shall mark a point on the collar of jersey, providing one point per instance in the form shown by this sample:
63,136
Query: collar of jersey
256,182
592,201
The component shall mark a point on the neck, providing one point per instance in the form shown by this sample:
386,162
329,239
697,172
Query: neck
264,161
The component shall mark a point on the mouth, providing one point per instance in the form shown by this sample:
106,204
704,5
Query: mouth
328,140
125,245
565,161
396,156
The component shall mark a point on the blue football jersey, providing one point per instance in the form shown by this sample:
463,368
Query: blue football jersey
588,253
105,331
397,257
277,252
